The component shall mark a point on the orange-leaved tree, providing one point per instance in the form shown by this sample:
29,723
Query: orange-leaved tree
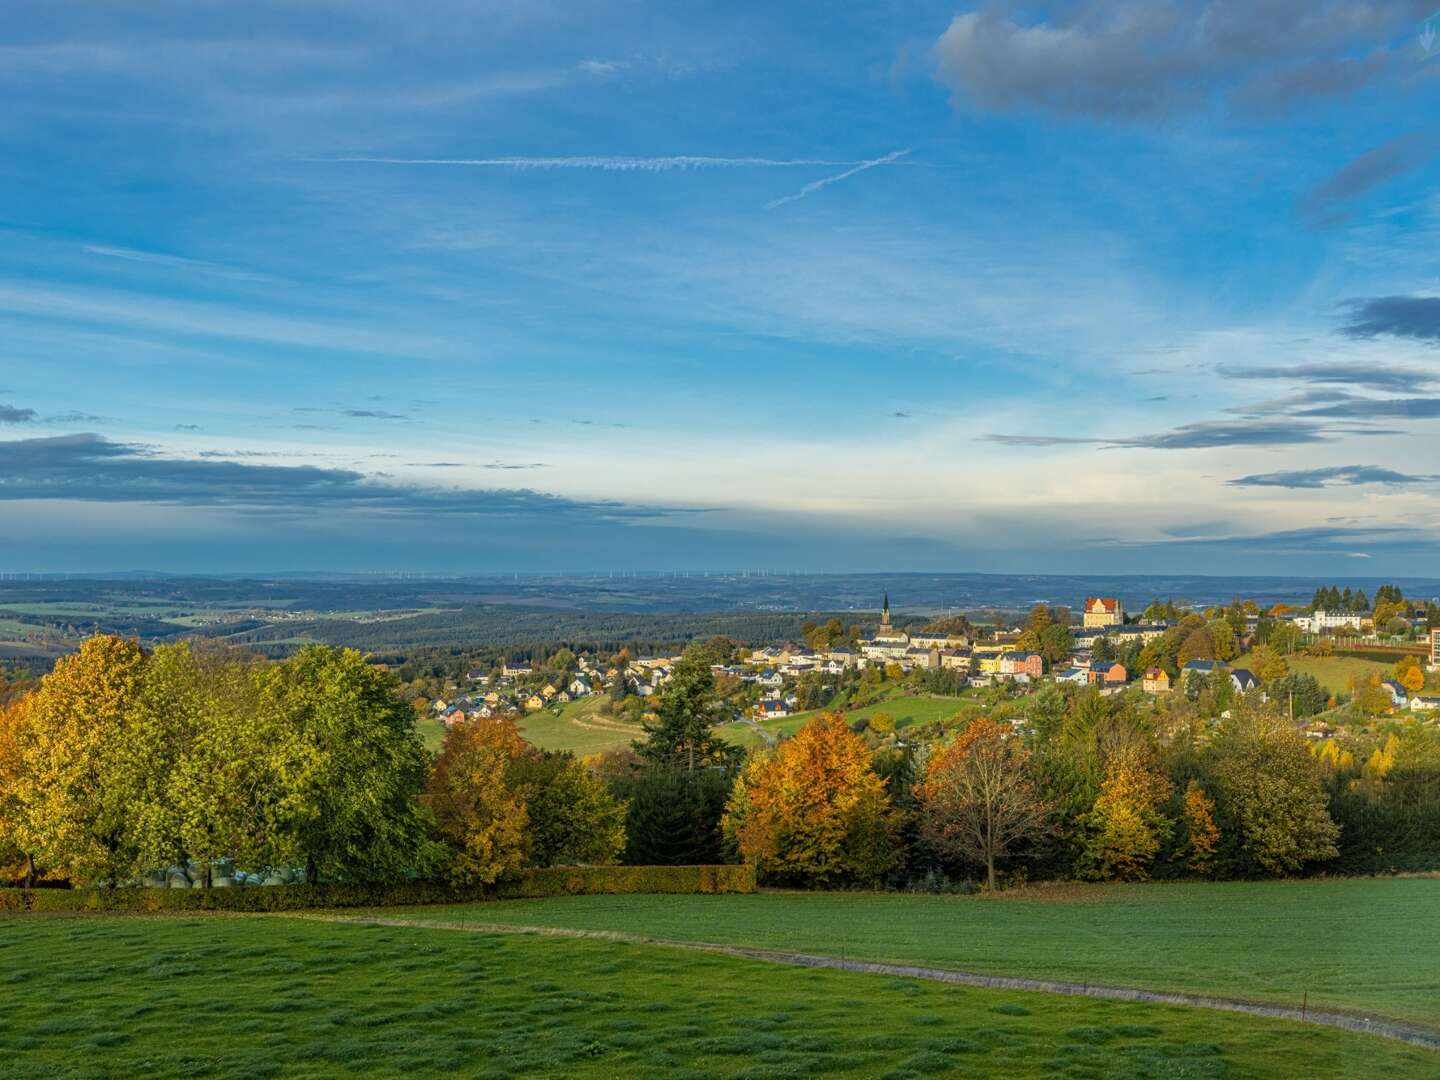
979,799
475,810
1203,835
814,811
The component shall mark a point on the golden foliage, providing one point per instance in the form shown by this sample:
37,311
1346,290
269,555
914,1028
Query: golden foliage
814,811
475,810
1198,810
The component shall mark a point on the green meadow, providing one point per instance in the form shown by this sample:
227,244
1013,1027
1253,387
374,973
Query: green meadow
244,997
1367,946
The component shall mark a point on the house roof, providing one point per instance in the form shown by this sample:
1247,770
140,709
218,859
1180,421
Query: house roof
1243,676
1101,603
1200,665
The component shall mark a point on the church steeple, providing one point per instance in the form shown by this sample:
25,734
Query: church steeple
885,610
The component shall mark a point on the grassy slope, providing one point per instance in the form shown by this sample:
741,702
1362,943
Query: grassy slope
579,728
255,997
1358,945
1331,672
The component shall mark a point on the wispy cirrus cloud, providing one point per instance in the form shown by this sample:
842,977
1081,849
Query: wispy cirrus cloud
1332,476
1204,434
1369,170
1370,375
1372,408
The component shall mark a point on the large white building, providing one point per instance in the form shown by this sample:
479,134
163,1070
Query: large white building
1331,620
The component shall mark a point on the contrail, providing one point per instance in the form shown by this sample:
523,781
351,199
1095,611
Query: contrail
816,185
612,164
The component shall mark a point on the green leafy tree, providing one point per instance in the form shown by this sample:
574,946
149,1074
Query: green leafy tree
1055,644
1200,645
352,767
1270,790
573,818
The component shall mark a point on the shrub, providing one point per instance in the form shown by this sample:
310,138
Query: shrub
529,884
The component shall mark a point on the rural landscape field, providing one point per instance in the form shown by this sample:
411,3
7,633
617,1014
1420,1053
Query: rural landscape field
484,990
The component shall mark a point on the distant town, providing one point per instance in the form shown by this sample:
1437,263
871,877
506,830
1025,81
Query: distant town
1161,650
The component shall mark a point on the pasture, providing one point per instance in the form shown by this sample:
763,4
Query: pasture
267,996
1334,673
1350,945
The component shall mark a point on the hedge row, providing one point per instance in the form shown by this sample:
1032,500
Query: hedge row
551,881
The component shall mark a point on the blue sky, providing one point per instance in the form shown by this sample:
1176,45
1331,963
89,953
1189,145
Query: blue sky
469,286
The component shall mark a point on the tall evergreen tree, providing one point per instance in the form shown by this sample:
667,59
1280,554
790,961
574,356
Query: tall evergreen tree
682,734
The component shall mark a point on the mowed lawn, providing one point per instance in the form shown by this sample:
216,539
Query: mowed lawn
256,996
1368,946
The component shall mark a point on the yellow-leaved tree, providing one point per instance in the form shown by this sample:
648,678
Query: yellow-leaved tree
79,784
814,811
15,838
1126,826
481,819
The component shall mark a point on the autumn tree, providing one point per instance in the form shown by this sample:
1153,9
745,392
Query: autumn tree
1202,835
476,813
1198,646
1270,789
979,799
1267,664
814,811
1126,826
1222,639
16,840
78,784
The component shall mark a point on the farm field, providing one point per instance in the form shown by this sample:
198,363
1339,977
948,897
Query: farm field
287,997
1356,945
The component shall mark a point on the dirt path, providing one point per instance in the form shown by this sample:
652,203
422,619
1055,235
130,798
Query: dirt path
1415,1036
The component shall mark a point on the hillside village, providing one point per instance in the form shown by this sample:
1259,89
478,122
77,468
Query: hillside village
1165,649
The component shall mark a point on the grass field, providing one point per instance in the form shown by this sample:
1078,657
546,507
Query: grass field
1331,672
579,728
1365,946
247,997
